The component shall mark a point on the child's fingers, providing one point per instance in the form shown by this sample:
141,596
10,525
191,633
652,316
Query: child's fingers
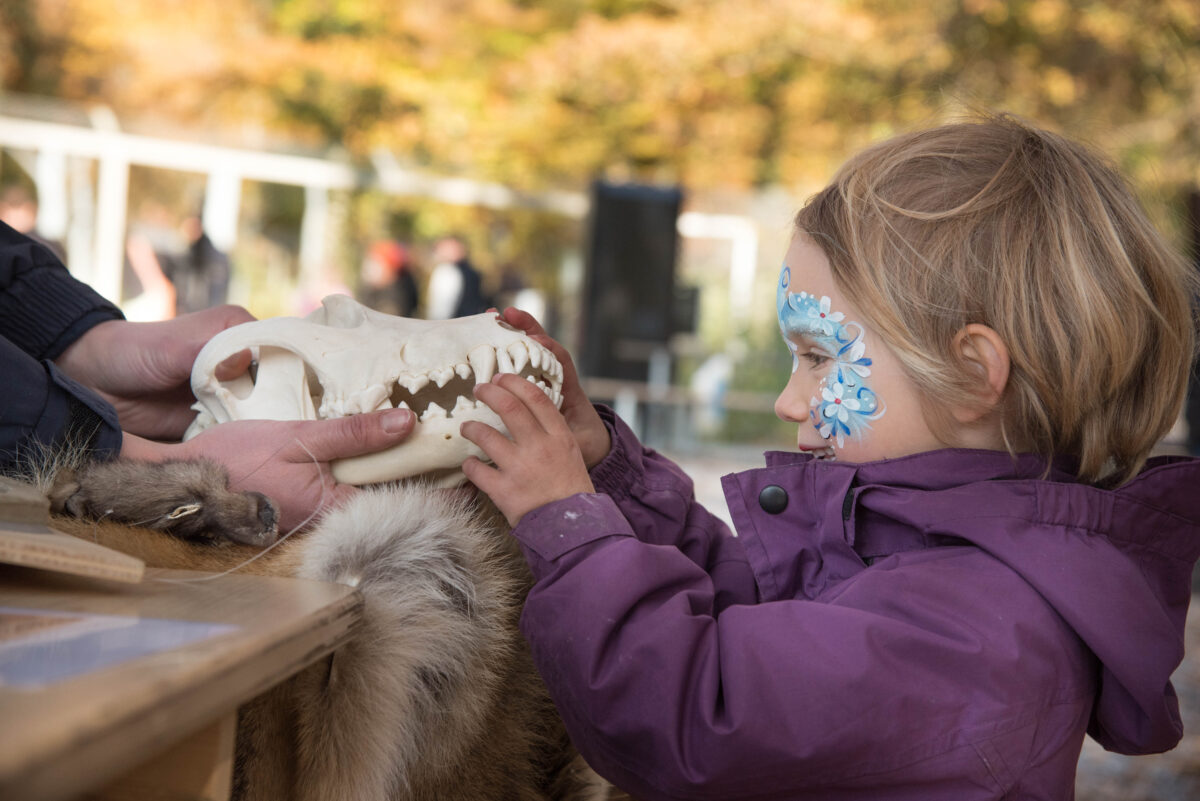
497,446
519,318
483,476
540,407
511,407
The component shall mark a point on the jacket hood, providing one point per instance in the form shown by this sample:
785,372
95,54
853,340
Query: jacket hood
1116,564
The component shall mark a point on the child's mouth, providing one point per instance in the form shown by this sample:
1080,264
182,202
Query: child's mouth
826,454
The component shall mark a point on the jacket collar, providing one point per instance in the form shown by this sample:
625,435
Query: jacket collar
826,533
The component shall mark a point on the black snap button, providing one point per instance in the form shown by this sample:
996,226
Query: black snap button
773,499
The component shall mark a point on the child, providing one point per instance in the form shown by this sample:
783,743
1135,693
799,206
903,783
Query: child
969,563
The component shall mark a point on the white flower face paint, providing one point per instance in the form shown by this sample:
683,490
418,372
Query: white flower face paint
845,405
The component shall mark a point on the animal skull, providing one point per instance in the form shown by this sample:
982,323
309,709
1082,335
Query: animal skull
345,358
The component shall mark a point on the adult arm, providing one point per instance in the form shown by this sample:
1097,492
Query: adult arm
43,310
43,411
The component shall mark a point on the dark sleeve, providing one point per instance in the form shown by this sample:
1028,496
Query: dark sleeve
43,411
43,309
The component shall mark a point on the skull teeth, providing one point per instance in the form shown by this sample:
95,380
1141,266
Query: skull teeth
372,398
483,363
504,362
433,412
445,392
413,383
520,356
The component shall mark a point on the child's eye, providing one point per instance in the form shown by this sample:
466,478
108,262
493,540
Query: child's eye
815,359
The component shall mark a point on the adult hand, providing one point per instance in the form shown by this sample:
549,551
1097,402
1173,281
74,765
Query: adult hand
288,461
585,424
541,463
144,369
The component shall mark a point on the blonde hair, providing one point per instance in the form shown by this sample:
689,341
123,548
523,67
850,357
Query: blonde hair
996,222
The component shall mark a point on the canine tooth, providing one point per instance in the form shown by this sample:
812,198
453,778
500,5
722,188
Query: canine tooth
433,412
463,370
504,363
483,362
442,375
463,405
413,383
520,356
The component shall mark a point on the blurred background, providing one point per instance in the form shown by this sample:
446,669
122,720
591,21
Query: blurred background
625,169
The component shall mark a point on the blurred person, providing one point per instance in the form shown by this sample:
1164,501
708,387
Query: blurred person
79,377
19,210
152,243
455,287
386,280
514,290
200,273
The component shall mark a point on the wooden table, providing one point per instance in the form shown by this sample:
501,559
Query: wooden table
160,722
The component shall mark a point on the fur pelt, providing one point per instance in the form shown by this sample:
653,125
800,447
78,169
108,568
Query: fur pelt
434,697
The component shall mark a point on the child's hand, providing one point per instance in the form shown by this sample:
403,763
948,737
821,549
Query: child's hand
539,464
588,429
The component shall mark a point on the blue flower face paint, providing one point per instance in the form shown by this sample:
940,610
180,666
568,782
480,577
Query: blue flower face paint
846,405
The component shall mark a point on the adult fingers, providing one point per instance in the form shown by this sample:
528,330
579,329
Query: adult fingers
354,435
305,511
234,366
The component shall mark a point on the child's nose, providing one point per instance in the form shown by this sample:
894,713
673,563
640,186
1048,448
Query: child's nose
793,402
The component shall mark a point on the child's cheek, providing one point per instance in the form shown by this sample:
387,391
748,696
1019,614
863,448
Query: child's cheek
814,410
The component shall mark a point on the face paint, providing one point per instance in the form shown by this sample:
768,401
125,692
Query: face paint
845,405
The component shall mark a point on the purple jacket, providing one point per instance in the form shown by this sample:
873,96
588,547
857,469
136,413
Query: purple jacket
941,626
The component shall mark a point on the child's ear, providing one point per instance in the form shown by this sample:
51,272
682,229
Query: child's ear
986,355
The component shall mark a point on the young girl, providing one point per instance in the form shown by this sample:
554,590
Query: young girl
968,565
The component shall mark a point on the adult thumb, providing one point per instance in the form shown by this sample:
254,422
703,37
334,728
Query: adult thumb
357,434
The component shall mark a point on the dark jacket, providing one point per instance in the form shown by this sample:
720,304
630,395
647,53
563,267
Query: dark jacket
946,625
42,311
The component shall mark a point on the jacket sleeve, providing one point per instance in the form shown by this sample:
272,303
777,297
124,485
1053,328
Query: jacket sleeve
42,311
669,698
657,499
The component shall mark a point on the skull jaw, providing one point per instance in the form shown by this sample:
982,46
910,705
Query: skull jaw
435,451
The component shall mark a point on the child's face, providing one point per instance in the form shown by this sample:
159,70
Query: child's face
847,390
